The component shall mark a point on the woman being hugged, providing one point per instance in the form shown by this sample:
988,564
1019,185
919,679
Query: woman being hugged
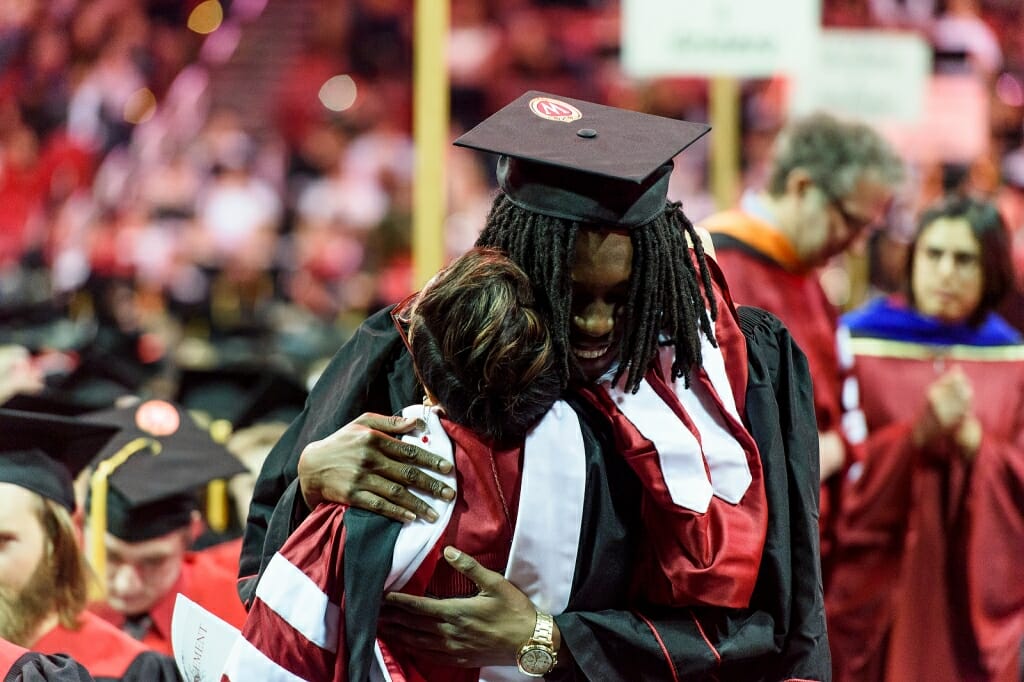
486,360
927,582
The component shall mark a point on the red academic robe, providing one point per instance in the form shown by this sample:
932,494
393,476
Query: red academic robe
9,654
106,652
927,582
225,554
204,581
763,271
691,554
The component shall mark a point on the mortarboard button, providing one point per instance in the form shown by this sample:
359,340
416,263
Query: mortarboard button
586,132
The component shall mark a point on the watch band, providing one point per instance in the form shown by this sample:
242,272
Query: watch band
537,657
544,630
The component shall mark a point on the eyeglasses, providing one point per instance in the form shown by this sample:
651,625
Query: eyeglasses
852,221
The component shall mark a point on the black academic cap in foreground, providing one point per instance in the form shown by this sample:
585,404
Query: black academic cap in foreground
43,453
581,161
153,489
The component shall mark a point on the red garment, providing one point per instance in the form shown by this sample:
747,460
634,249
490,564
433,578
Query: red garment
225,554
478,526
203,581
9,654
688,558
104,650
927,582
762,270
21,198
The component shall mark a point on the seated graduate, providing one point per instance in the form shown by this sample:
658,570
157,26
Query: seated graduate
142,516
583,211
932,531
44,579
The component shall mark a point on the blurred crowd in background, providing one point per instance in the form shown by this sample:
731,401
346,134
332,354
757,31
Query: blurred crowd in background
189,183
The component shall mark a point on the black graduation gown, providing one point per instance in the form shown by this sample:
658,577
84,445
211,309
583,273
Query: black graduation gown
781,636
35,667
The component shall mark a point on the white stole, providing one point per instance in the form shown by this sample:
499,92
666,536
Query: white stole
545,542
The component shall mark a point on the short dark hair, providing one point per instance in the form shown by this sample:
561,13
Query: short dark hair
482,348
990,231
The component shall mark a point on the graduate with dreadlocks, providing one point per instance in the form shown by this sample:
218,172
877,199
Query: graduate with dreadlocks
695,416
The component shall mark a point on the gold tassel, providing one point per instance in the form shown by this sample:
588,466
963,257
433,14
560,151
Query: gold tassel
217,491
98,489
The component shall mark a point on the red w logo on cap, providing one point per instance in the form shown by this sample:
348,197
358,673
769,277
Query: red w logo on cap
554,110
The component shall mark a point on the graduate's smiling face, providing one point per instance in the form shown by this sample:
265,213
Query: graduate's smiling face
946,274
600,290
139,574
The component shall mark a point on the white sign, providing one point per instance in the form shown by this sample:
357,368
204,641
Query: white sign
869,75
744,38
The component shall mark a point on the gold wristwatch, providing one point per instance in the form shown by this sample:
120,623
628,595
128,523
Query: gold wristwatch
537,657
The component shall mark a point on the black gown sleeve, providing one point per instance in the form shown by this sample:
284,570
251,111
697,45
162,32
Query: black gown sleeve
149,666
372,372
780,408
36,667
782,635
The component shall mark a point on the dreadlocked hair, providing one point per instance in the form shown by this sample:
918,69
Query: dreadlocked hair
670,299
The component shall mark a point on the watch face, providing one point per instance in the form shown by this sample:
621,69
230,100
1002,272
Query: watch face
536,660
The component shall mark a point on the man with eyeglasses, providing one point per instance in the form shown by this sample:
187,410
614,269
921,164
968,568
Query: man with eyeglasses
829,182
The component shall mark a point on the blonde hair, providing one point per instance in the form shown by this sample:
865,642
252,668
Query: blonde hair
64,558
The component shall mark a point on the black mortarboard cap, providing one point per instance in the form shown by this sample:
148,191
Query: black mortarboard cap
581,161
53,401
242,394
154,490
43,453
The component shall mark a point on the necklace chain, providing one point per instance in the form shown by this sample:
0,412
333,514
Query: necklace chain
501,495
